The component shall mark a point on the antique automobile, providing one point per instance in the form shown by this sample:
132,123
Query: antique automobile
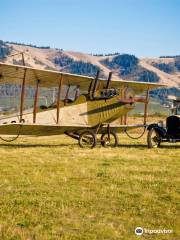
157,133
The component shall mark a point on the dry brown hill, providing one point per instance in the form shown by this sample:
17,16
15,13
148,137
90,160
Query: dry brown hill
172,80
43,59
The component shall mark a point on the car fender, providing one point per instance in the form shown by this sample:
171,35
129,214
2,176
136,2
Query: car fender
160,130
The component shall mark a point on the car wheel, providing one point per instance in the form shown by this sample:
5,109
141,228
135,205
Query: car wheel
153,138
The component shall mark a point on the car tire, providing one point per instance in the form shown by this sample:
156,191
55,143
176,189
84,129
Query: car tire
153,138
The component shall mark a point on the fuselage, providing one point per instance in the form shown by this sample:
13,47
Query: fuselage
82,112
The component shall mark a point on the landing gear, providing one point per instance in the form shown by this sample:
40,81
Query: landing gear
87,139
109,139
153,138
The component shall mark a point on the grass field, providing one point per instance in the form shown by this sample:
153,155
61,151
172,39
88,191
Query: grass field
52,189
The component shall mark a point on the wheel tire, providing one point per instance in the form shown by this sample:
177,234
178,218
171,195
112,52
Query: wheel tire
87,139
106,143
153,139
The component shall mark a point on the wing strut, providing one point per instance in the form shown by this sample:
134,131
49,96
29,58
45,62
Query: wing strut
59,96
95,84
22,95
146,107
36,101
67,94
109,80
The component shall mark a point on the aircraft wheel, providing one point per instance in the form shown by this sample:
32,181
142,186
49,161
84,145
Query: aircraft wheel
109,141
153,138
87,139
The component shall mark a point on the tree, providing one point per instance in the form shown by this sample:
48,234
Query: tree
177,63
125,63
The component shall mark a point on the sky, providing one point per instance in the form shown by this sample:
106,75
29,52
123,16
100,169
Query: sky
145,28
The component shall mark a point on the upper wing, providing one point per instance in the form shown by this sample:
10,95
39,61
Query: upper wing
14,74
138,87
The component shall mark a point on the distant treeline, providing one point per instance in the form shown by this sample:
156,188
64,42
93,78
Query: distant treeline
169,67
163,93
28,45
62,60
147,76
128,68
105,54
127,63
76,67
165,67
170,56
177,63
83,68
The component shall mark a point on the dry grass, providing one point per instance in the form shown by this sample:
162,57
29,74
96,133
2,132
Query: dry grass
52,189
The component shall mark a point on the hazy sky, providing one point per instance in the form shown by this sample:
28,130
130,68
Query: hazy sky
140,27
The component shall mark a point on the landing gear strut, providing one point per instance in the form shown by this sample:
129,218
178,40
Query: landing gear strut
109,140
88,138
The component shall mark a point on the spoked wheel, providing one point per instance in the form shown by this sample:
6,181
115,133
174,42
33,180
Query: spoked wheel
153,138
87,139
109,140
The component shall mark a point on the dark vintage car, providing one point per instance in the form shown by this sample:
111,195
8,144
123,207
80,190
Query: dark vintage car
171,133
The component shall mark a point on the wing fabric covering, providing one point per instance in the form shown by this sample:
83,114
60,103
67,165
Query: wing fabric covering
69,116
48,130
14,74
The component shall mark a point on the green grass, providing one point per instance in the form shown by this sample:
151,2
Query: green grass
52,189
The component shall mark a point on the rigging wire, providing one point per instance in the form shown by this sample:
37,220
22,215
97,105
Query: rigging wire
12,139
140,136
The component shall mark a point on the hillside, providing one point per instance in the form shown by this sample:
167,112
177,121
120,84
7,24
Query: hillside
124,66
171,79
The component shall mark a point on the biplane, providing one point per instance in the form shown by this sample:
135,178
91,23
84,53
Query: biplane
45,102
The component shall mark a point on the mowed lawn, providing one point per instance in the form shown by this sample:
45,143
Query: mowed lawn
52,189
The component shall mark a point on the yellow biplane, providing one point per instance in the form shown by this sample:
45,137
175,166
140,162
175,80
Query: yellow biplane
43,102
